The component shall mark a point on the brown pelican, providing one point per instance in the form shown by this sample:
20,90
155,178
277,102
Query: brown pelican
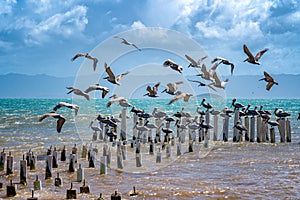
152,92
105,90
205,74
172,88
239,126
251,59
173,65
94,128
114,98
206,105
95,60
253,112
78,92
111,77
269,79
124,103
68,105
60,119
218,83
225,62
193,63
158,113
124,41
236,105
203,84
180,95
136,110
272,123
280,113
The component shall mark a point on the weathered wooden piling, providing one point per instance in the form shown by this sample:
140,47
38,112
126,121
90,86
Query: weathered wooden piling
138,159
2,160
63,155
100,197
151,148
37,184
72,163
11,190
191,149
258,129
281,129
84,151
134,192
207,121
95,136
28,157
272,135
288,130
32,196
264,130
23,171
58,181
158,123
32,162
101,137
74,151
119,156
225,128
103,165
123,125
179,152
92,160
158,156
168,150
48,174
54,158
9,164
116,196
80,173
246,119
71,193
215,130
124,150
252,129
235,137
206,139
84,188
134,131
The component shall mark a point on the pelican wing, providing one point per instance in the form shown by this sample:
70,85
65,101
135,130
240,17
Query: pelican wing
177,97
89,89
121,76
149,89
269,85
78,55
203,69
268,77
155,88
217,80
201,59
187,97
104,92
259,54
60,123
109,72
172,87
136,47
192,61
249,54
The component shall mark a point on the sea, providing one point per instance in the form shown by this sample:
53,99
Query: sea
220,170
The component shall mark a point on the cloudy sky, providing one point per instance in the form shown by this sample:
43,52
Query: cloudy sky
40,37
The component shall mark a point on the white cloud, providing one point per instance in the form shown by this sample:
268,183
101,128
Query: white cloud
137,25
6,6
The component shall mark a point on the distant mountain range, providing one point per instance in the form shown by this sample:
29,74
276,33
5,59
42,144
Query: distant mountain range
246,86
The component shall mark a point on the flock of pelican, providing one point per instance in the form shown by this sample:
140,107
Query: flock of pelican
152,91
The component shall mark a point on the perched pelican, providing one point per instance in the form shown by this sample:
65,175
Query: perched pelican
203,84
105,90
94,128
272,123
172,88
179,95
225,62
145,115
152,92
193,63
236,105
184,113
205,126
68,105
111,77
114,98
149,125
136,110
173,65
239,126
261,111
95,60
218,83
124,103
215,112
269,79
206,105
253,112
140,128
280,113
205,74
60,119
251,59
200,112
78,92
158,113
124,41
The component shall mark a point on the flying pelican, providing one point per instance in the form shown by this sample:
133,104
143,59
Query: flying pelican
95,60
105,90
205,74
60,119
269,79
111,77
68,105
114,98
225,62
78,92
193,63
251,59
152,92
218,83
173,65
180,95
124,41
203,84
172,88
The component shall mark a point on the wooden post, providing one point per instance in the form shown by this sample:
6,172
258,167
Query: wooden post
235,137
11,190
248,128
28,157
258,129
71,193
103,164
206,139
2,160
215,137
84,151
23,172
168,150
123,125
72,163
32,162
134,131
225,128
54,158
74,151
116,196
282,129
158,156
288,131
9,164
179,149
191,146
124,151
207,121
80,173
37,184
272,135
85,188
138,159
119,156
58,181
158,123
264,130
48,167
63,156
151,148
32,196
92,159
252,129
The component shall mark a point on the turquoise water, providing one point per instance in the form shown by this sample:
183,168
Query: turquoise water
228,170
